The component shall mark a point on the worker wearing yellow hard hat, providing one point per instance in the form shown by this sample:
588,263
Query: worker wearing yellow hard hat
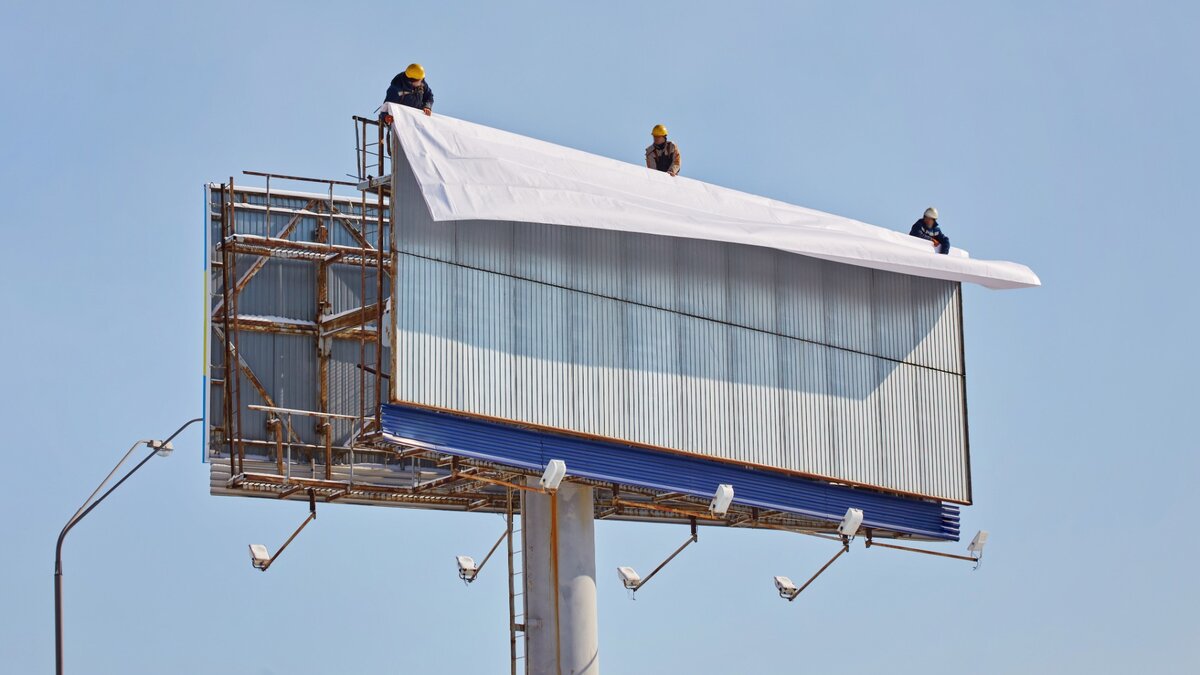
662,155
410,88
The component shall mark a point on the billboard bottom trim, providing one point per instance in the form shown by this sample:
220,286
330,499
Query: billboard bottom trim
609,462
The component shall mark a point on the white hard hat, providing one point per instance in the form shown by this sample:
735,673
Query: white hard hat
931,212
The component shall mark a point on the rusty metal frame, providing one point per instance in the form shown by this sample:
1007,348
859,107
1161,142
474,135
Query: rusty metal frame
227,323
471,485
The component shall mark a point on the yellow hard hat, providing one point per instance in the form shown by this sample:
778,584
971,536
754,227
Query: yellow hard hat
658,130
414,72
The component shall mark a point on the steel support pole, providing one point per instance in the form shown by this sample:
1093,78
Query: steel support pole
91,503
558,536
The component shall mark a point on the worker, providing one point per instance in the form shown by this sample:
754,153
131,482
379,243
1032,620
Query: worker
927,228
410,88
662,154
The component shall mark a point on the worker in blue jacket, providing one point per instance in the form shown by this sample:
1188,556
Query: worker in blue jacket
927,228
410,88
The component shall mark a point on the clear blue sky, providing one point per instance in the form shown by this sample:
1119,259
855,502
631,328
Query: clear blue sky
1060,134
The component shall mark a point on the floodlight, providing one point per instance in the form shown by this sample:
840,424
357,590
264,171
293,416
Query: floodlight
721,500
260,558
976,545
467,569
164,448
850,522
556,469
786,588
629,578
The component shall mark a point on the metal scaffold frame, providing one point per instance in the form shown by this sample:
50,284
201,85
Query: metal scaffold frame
362,324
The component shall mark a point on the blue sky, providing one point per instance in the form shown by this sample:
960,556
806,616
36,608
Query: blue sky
1059,134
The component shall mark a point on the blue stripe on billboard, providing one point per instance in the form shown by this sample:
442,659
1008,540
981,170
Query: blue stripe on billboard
531,449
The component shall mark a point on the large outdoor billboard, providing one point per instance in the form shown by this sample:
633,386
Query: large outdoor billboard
741,353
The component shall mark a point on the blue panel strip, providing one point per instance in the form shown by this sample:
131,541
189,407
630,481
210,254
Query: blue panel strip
524,448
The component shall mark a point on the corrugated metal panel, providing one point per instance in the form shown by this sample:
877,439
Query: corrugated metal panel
702,279
652,394
800,293
806,407
596,262
753,287
649,271
756,397
724,350
706,392
425,363
346,380
285,288
286,365
484,245
505,347
346,287
936,324
895,316
597,388
611,462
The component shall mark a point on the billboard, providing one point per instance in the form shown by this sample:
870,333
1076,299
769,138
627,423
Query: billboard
518,302
739,353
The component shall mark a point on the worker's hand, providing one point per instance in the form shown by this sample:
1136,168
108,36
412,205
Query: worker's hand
428,112
673,173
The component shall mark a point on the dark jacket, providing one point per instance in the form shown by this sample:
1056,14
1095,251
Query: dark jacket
933,234
663,157
402,91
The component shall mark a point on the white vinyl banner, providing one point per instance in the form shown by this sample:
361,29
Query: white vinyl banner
466,171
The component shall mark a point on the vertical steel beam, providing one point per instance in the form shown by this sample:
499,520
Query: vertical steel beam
512,591
232,373
233,298
379,293
362,301
325,427
558,537
278,445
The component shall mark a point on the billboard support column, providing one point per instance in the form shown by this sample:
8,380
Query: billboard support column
558,535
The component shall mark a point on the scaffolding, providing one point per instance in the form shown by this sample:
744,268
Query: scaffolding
299,370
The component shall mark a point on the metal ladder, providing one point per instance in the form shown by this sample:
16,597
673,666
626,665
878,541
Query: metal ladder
516,598
371,156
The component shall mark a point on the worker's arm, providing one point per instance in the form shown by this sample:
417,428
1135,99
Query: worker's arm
915,231
428,101
650,158
674,171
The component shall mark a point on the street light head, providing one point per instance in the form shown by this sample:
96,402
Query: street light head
467,569
786,588
260,558
721,500
164,449
629,578
556,470
976,545
850,522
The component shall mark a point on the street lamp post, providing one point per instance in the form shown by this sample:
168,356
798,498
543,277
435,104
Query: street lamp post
157,447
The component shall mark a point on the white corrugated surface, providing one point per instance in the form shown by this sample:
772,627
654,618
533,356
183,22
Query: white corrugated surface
466,171
512,348
737,352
